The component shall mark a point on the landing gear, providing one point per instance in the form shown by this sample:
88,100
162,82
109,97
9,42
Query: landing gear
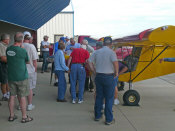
131,98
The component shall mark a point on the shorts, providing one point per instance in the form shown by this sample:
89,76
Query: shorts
32,80
116,81
19,88
3,73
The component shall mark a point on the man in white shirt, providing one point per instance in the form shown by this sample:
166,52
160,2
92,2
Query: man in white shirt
45,45
32,67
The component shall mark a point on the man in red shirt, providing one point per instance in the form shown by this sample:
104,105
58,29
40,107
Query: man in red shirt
77,59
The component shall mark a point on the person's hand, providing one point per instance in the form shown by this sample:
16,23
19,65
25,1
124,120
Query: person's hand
160,60
116,74
68,71
71,48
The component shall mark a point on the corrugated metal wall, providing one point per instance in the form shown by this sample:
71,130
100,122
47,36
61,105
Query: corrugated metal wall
62,23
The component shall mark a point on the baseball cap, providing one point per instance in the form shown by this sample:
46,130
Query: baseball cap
27,33
107,40
63,39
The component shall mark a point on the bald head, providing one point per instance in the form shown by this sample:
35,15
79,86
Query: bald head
19,37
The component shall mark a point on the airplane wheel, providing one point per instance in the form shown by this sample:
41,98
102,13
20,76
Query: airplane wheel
120,85
131,98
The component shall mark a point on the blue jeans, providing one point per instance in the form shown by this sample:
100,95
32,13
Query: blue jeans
105,86
77,73
45,63
61,84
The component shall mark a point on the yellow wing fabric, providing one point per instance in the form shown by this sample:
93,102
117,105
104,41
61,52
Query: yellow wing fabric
159,43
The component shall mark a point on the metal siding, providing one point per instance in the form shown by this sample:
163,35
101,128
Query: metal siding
62,23
30,13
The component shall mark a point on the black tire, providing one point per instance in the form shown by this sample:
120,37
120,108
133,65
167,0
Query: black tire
120,85
131,98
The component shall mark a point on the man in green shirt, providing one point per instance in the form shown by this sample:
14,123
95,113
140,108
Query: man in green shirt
17,59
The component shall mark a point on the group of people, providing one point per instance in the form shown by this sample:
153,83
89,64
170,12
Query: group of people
18,73
102,64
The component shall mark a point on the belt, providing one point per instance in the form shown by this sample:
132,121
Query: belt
105,74
78,63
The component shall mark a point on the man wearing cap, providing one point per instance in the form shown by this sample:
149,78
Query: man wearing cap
62,39
57,43
32,67
45,45
72,46
106,70
78,58
5,39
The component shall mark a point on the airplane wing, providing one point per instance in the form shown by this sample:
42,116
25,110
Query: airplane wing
162,36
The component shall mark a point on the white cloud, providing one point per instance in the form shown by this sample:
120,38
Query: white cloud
116,17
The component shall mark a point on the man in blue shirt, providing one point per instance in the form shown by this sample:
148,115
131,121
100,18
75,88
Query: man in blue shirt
60,68
72,45
57,43
62,39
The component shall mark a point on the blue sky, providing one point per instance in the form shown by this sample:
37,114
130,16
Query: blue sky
121,17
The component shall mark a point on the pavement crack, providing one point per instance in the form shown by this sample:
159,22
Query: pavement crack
166,81
127,119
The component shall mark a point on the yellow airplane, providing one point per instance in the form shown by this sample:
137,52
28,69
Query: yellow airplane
143,63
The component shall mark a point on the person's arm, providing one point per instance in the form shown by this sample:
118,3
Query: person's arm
69,61
90,49
123,70
27,59
62,62
4,59
35,65
92,68
87,56
91,60
115,63
42,46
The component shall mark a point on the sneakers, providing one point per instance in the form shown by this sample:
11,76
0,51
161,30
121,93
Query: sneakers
73,101
80,101
91,90
56,84
98,119
30,107
109,123
4,98
116,101
64,100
